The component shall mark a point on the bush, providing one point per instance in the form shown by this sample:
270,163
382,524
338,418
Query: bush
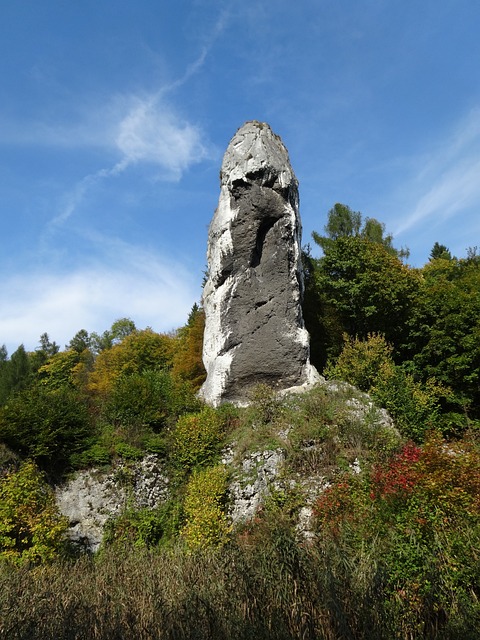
144,527
360,361
148,399
419,513
197,439
206,523
31,528
368,364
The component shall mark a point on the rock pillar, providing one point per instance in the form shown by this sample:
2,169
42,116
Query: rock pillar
252,298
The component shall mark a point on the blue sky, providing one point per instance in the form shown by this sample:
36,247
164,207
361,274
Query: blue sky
114,117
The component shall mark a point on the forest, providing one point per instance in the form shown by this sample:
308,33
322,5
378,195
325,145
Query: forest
395,547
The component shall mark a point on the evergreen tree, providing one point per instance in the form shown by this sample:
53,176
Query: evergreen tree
440,251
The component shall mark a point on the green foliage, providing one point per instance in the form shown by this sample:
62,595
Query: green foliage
206,523
444,330
47,425
322,320
62,369
361,360
197,439
266,404
368,364
358,286
15,374
345,223
119,330
147,398
80,341
137,414
137,352
440,251
97,455
128,451
144,527
414,406
370,289
31,529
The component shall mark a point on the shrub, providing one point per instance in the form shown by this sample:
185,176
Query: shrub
144,527
368,364
420,514
415,406
31,528
149,398
137,352
206,523
197,439
360,361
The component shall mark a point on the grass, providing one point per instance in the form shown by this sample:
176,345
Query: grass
262,586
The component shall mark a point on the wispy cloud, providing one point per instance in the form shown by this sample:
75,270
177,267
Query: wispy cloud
447,180
141,131
146,129
153,134
129,282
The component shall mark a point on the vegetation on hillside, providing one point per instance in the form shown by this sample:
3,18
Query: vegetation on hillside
392,550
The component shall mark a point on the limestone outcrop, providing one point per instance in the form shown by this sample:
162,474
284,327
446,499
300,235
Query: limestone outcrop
91,497
252,298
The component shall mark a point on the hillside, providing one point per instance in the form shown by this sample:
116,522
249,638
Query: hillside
349,511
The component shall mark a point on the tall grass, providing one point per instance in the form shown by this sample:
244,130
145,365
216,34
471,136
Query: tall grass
265,585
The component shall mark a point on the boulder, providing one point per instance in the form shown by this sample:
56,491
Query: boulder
254,331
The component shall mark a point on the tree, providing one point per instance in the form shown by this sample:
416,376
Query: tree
368,364
321,318
80,341
139,351
444,329
187,361
345,223
119,330
440,251
342,223
369,289
15,374
46,346
66,369
46,425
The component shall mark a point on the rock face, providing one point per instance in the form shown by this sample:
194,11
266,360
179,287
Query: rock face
91,498
254,326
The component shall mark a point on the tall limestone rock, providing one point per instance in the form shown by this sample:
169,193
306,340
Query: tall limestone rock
254,326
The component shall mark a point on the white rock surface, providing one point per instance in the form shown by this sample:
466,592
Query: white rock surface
91,497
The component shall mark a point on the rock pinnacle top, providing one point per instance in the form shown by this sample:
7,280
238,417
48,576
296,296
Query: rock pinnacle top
256,151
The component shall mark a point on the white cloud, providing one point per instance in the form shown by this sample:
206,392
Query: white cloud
447,180
152,133
141,130
128,283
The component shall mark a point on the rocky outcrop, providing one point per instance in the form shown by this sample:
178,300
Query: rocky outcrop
91,497
252,298
253,482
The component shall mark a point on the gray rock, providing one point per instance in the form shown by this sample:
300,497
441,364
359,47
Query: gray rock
91,497
254,326
255,479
